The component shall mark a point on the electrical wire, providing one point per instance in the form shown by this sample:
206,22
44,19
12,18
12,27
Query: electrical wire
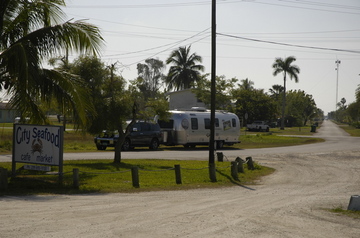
291,45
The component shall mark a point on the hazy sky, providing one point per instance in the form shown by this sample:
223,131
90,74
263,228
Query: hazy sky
140,29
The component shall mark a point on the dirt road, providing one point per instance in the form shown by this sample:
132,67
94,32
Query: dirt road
289,203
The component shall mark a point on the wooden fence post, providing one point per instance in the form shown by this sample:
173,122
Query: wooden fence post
250,163
3,179
240,164
178,174
76,182
234,170
135,177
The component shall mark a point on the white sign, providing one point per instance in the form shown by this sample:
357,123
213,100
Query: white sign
37,144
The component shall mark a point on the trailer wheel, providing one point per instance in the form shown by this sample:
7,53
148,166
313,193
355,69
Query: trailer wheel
219,144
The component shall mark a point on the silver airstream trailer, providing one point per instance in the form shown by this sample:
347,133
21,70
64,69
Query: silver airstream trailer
192,127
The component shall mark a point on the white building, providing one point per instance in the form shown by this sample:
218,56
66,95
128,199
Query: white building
184,99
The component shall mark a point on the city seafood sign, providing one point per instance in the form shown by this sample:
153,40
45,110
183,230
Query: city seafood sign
37,144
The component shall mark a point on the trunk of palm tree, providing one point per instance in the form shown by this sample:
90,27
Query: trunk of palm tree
282,127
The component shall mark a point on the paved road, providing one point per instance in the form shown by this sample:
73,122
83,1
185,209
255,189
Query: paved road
292,202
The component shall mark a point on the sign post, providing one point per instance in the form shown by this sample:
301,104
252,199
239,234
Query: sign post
35,144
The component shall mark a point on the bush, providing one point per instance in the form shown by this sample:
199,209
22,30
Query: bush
356,124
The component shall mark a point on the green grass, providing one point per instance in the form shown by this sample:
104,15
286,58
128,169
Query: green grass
270,140
103,176
350,129
341,211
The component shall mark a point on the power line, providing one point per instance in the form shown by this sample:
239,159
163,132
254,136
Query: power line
291,45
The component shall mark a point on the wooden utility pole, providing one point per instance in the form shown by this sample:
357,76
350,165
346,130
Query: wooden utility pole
213,81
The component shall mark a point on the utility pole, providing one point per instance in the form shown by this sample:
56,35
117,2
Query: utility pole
213,82
337,62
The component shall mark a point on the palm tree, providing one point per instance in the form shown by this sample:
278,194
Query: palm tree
185,70
285,66
246,84
30,33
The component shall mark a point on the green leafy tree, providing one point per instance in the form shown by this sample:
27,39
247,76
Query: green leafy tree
150,77
246,84
224,88
257,104
185,70
31,32
131,105
301,107
286,67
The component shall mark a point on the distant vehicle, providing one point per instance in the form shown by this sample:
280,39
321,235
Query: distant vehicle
143,134
18,119
258,126
192,127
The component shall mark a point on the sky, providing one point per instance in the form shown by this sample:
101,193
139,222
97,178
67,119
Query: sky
250,35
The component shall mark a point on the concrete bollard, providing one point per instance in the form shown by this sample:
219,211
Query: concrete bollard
178,174
354,204
3,179
135,177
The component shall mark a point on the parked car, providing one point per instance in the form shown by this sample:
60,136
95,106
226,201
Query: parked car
143,134
258,126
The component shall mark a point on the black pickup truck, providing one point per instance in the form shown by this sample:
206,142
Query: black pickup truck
143,134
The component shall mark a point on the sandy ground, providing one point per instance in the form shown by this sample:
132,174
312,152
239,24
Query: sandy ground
292,202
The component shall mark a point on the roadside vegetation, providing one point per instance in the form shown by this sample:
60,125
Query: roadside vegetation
104,176
345,212
352,130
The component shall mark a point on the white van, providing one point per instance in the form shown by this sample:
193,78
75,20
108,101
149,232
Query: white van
192,127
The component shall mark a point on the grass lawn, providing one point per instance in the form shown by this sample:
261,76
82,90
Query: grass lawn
103,176
350,129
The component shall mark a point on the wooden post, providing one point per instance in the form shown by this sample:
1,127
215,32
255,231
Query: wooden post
178,174
212,172
240,164
250,163
135,177
76,182
3,179
220,156
234,170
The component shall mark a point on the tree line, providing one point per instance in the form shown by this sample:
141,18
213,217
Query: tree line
350,113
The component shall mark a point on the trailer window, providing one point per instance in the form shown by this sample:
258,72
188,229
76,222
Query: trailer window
166,124
207,123
194,124
233,122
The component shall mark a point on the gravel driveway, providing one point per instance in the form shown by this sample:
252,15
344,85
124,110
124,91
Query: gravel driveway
289,203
